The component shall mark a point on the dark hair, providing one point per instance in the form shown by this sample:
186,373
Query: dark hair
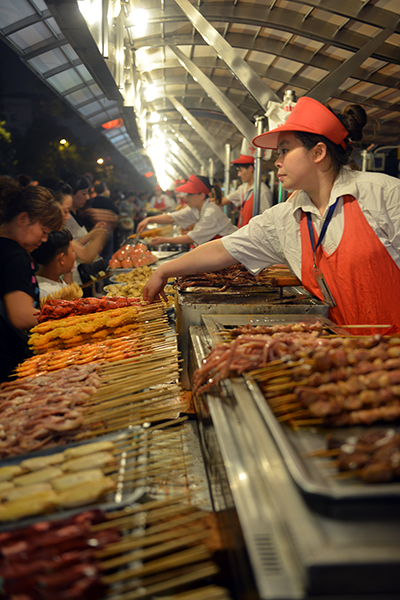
206,182
244,165
23,179
218,193
353,118
57,242
77,182
37,201
59,188
100,187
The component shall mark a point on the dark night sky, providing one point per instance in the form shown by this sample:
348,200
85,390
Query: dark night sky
16,78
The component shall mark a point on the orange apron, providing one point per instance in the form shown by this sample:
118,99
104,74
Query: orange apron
159,205
246,209
361,275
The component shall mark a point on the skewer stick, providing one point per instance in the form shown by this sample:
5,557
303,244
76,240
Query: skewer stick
323,453
197,572
134,542
162,548
189,556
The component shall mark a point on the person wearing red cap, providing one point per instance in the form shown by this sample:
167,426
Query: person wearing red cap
161,201
339,232
209,221
243,197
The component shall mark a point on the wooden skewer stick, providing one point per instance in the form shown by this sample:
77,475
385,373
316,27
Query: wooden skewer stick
162,548
323,453
189,556
196,573
133,542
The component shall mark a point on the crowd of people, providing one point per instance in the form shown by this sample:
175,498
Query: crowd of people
338,232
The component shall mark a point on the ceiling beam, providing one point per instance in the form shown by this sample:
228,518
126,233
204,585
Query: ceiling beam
215,146
242,123
260,91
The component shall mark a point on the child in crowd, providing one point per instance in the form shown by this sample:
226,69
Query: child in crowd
55,257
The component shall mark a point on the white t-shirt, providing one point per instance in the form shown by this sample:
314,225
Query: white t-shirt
48,286
209,222
274,237
244,191
77,231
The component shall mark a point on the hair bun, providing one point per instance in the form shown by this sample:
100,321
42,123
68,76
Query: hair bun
354,119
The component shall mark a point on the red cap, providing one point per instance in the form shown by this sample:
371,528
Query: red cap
157,188
194,185
309,116
243,160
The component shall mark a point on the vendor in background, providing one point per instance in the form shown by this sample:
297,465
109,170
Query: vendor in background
339,232
27,215
243,196
55,258
209,221
161,201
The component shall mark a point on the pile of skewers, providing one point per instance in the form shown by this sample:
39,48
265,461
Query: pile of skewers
309,379
140,552
237,276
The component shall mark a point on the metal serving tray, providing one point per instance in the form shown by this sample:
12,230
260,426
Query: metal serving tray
124,494
315,478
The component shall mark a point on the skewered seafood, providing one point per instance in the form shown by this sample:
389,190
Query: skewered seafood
59,309
107,350
37,410
67,292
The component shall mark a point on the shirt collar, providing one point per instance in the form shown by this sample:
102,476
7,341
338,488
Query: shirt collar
345,183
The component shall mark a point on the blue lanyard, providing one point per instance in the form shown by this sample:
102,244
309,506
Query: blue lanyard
323,230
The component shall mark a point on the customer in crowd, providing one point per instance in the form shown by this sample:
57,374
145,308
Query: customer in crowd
101,209
55,257
27,215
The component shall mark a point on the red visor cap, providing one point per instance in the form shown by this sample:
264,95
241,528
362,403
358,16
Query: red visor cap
243,160
309,116
194,185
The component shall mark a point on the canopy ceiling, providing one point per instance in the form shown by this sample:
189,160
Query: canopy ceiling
190,77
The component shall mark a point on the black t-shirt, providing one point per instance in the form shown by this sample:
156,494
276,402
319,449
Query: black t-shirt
17,273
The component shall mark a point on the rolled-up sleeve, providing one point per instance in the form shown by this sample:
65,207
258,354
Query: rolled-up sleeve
256,245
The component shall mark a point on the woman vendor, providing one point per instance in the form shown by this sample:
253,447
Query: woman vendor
209,221
27,215
339,232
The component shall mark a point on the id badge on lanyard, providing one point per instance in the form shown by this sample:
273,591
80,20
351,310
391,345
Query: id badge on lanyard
317,272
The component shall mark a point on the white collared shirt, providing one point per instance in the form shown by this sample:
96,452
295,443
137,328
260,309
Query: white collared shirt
274,237
243,192
209,222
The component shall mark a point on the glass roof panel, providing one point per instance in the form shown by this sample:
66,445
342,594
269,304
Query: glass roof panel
30,36
65,81
12,11
49,60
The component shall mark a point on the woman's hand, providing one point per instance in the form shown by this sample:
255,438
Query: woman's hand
159,240
154,288
100,225
143,224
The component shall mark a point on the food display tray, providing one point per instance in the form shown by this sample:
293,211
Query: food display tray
317,480
124,494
